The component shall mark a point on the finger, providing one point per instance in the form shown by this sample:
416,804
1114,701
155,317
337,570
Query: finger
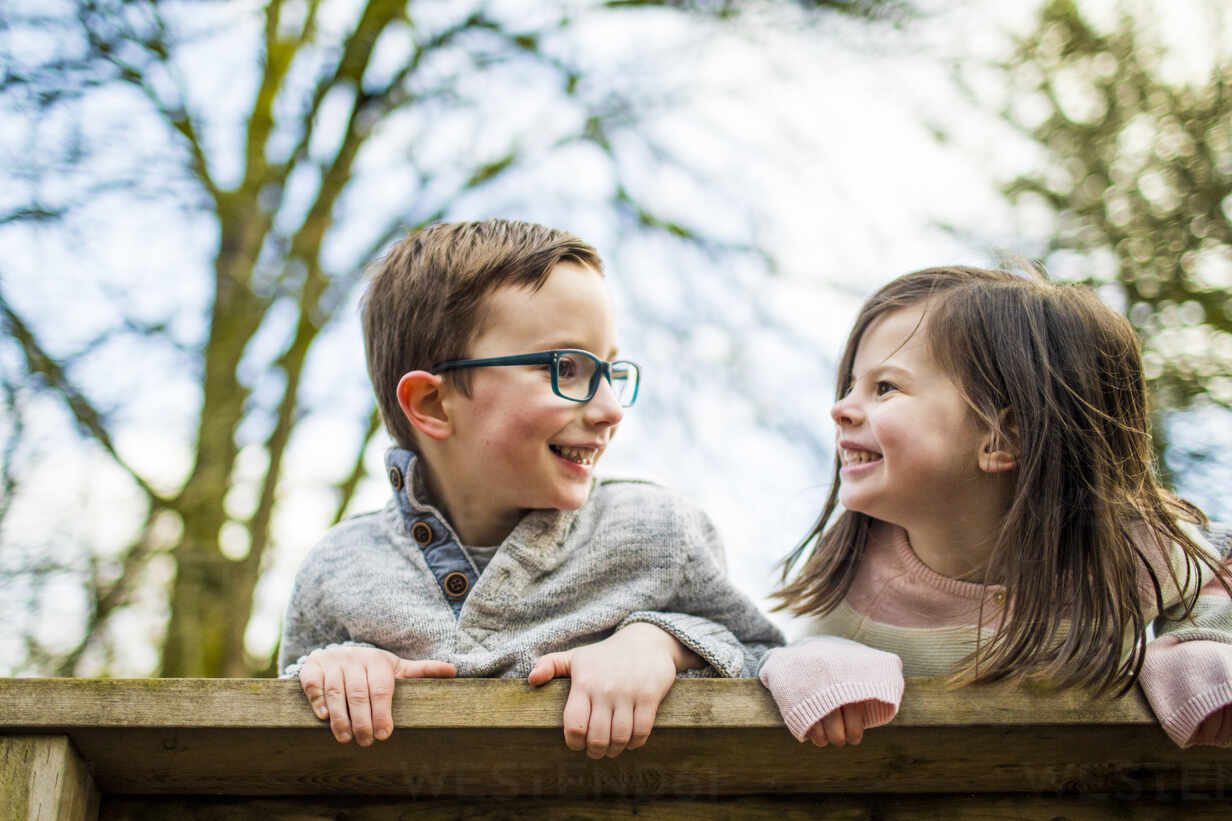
1218,730
359,703
643,722
1202,735
381,691
836,731
312,680
1224,737
335,703
553,665
406,668
1209,730
817,735
576,719
622,729
853,721
599,735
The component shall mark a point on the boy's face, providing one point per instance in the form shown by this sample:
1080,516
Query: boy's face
515,444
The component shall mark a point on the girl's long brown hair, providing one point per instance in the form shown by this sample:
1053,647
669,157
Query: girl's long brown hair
1057,376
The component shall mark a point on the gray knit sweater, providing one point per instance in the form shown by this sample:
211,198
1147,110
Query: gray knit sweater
633,553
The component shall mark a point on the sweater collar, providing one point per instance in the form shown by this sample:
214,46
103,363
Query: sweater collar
538,539
916,568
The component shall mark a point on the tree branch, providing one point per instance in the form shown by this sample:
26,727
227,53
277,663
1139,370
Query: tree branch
88,418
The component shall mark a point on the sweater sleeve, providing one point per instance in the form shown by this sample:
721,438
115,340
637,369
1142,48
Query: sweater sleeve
814,677
1187,674
706,613
308,624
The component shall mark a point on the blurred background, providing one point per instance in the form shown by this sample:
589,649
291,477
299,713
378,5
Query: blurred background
189,193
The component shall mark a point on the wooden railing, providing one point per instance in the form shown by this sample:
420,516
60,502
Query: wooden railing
482,748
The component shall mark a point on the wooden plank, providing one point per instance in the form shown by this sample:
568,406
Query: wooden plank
262,703
714,738
425,763
43,778
779,808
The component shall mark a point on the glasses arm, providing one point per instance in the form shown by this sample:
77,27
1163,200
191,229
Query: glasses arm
541,358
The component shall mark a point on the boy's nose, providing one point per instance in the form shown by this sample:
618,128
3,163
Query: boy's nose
604,408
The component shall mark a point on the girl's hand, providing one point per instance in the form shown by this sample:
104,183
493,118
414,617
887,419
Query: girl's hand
1216,729
617,686
353,687
840,727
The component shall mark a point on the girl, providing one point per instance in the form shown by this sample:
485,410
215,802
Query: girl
1000,517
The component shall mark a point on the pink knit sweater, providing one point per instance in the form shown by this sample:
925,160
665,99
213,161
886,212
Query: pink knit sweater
902,618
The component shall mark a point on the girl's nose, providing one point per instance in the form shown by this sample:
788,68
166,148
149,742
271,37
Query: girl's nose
846,412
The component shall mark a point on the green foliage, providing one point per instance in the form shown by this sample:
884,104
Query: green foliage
1139,175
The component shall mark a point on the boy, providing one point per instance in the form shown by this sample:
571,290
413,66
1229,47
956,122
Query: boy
489,348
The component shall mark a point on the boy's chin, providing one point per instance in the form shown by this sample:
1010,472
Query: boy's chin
572,500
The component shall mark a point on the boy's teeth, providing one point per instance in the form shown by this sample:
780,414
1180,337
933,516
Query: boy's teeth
582,456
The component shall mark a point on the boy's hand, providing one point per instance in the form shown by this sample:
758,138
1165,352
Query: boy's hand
617,686
354,688
840,727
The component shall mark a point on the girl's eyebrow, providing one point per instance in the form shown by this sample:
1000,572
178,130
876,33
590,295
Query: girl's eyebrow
884,369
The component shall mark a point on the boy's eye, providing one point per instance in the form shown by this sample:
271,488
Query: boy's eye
567,367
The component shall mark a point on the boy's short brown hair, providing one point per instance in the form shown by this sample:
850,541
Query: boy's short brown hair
424,303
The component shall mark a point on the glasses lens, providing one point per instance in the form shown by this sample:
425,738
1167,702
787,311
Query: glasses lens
574,372
625,377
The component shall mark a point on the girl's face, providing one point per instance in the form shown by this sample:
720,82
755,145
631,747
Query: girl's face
908,443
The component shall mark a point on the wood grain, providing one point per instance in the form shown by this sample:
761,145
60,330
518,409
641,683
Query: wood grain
498,739
43,779
509,703
779,808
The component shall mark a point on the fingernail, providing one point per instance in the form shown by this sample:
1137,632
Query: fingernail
321,713
344,737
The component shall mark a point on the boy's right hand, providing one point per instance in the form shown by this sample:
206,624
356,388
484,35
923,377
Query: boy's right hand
353,687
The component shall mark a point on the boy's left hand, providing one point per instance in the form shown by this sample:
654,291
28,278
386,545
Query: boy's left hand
617,686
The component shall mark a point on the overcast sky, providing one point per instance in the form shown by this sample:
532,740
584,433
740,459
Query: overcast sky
832,138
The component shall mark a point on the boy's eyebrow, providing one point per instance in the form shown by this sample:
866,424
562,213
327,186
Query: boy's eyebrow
577,346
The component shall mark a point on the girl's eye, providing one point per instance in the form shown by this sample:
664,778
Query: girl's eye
884,387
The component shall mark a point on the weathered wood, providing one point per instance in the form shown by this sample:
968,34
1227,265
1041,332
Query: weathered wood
714,738
509,703
676,762
43,779
781,808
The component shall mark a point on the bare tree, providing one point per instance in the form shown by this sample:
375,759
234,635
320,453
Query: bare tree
334,131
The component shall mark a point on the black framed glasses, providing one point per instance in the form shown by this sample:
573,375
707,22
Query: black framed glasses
575,373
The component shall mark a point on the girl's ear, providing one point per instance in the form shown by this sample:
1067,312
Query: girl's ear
998,452
421,397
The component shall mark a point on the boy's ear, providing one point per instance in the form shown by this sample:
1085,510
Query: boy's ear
421,397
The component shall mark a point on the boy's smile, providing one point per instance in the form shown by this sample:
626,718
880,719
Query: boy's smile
514,445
